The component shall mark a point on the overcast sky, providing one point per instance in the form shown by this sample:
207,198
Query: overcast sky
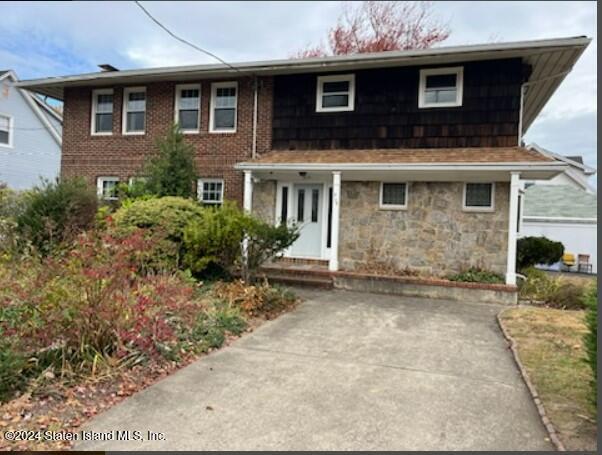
57,38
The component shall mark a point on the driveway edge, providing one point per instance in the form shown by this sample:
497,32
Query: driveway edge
532,390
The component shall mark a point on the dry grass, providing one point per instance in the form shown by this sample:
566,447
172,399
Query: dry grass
550,347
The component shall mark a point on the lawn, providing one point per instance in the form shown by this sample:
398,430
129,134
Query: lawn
550,346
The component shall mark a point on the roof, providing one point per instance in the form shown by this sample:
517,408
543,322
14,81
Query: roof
559,201
399,156
574,161
550,57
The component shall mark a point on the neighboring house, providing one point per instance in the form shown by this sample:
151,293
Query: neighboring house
30,136
410,159
564,209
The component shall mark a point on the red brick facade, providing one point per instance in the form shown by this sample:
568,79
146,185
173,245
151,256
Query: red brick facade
123,156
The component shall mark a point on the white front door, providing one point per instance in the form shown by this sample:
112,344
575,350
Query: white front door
307,214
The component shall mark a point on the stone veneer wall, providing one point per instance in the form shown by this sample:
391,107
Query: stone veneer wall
264,200
434,236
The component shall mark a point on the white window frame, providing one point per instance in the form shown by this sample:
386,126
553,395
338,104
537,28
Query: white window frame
11,131
178,96
468,208
95,93
214,87
99,188
133,179
126,92
199,190
336,78
384,206
424,73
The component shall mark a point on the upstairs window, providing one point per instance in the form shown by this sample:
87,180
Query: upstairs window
335,93
107,187
102,112
224,98
441,87
393,195
210,191
479,197
134,110
6,130
188,107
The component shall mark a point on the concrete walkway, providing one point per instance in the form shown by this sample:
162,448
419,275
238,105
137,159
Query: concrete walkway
345,371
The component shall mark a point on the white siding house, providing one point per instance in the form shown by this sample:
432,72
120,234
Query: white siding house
30,136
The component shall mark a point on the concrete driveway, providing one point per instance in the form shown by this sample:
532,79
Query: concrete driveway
345,371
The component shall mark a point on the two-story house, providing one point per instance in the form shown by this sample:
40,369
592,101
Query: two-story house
412,159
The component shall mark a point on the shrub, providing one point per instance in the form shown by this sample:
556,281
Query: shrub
217,239
164,219
537,250
172,171
475,275
11,206
541,287
56,212
591,337
12,365
255,300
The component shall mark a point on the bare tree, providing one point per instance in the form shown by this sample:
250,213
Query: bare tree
377,26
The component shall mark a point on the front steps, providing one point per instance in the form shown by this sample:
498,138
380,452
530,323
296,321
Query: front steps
298,275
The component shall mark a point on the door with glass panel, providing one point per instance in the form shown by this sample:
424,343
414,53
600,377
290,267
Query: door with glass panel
307,213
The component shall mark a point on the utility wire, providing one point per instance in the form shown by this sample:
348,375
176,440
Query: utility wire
182,40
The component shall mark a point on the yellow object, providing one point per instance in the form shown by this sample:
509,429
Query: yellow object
568,259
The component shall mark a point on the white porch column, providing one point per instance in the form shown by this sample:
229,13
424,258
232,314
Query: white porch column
333,263
248,191
512,222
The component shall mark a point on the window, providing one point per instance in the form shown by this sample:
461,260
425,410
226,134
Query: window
315,202
223,107
210,191
441,87
393,195
6,130
134,110
102,112
188,107
335,93
300,205
284,206
479,197
107,187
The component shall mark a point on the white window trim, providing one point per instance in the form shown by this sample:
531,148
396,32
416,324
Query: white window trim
491,208
179,89
135,179
99,188
457,70
336,78
95,93
11,131
214,87
393,206
199,190
126,92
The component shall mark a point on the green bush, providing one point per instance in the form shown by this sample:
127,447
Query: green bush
476,275
217,240
591,337
12,365
56,212
12,204
172,171
537,250
163,218
553,291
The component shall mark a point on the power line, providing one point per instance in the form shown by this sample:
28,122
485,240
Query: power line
182,40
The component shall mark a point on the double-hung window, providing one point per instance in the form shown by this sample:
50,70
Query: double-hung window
224,98
210,191
107,187
479,197
102,112
6,130
134,110
335,93
441,87
393,195
188,107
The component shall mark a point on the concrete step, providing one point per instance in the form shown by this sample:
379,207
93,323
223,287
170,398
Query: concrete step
317,279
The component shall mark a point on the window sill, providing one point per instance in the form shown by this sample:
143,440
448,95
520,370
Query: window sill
222,131
335,109
439,105
190,131
135,133
478,210
101,134
7,146
394,208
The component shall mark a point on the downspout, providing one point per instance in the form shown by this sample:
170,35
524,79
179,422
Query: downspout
255,97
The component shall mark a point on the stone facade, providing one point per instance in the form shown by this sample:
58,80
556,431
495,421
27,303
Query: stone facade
433,236
264,200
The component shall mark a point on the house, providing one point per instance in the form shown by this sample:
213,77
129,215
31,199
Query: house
407,161
30,136
564,209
